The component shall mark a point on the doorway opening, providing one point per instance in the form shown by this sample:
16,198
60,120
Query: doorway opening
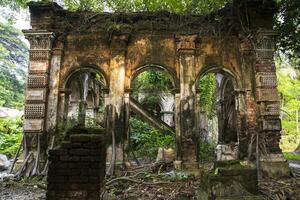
218,117
152,135
84,102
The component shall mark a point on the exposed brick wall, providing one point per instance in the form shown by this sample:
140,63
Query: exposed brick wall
77,168
251,120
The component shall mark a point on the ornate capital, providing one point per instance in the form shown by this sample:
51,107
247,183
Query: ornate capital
39,40
265,39
264,44
119,42
40,44
186,42
245,45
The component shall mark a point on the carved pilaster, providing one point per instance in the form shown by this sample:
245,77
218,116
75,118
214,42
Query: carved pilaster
186,43
178,127
53,88
264,46
116,111
186,46
40,50
267,96
37,81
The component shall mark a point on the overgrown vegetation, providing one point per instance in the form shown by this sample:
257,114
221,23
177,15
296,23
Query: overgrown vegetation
145,140
289,89
207,150
207,89
183,6
10,135
147,89
287,26
292,156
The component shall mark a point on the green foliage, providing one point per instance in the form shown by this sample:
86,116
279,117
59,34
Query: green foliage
207,89
84,5
13,63
14,4
146,140
207,150
63,129
10,135
288,28
151,83
289,89
183,6
292,156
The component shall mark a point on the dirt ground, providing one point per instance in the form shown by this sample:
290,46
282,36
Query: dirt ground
18,190
275,190
145,185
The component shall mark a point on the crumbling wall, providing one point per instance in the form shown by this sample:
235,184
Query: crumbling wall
118,45
77,168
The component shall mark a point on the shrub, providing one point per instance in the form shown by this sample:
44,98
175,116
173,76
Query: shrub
146,140
207,150
10,135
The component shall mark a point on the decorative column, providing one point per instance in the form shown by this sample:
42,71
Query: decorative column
53,95
268,102
126,127
36,96
186,54
116,95
201,124
63,105
178,149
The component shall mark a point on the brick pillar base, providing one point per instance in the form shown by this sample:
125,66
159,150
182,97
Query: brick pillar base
189,155
77,168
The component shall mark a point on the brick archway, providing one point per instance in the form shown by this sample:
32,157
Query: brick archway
187,49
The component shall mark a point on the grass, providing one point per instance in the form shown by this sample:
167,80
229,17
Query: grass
291,156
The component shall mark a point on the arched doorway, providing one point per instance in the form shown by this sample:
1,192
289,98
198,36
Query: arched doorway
218,116
84,99
152,126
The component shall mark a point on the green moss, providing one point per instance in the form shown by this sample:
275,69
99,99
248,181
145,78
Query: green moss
216,171
291,156
114,27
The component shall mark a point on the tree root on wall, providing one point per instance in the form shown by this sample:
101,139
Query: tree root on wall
45,170
16,156
31,165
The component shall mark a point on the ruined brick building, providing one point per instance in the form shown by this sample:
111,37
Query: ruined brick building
80,60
